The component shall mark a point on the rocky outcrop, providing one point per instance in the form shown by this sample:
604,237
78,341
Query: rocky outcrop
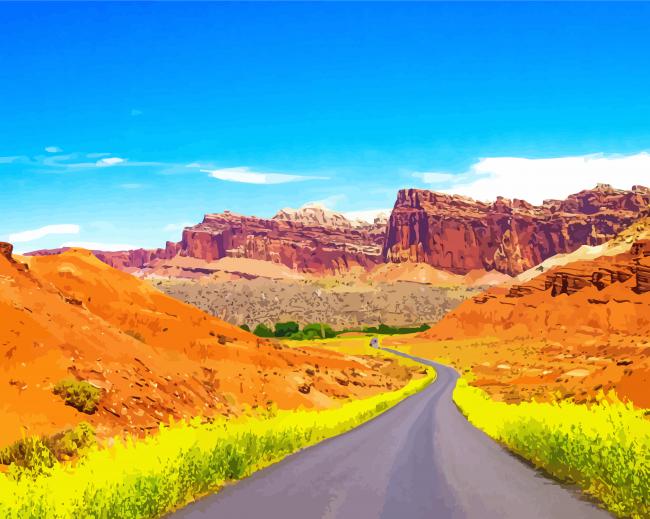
448,232
459,234
310,245
137,258
6,251
310,239
643,275
607,294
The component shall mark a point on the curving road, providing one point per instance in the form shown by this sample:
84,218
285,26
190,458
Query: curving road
420,459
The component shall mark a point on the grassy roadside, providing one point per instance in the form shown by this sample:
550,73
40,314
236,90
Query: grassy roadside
147,478
603,448
359,345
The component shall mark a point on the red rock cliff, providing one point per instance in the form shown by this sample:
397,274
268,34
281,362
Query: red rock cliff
459,234
302,245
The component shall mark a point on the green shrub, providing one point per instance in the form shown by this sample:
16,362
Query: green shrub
70,443
604,448
245,327
319,330
34,456
148,477
286,329
79,394
385,329
261,330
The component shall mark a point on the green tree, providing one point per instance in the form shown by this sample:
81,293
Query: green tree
245,327
261,330
286,329
320,330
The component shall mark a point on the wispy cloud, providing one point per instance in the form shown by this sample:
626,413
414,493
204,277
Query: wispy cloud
538,179
130,185
433,177
11,159
53,149
110,161
135,112
330,202
248,176
41,232
176,226
95,245
366,215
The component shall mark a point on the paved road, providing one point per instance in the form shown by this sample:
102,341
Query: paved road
420,459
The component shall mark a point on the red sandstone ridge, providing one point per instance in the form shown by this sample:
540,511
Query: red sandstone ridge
308,240
311,239
458,234
606,295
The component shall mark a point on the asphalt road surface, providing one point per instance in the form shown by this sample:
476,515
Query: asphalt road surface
420,459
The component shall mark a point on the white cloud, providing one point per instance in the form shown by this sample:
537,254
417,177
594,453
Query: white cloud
110,161
176,226
13,158
327,203
94,245
135,112
247,176
366,215
432,177
535,180
53,149
41,232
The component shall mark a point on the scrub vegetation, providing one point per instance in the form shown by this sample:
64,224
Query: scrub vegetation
604,447
149,477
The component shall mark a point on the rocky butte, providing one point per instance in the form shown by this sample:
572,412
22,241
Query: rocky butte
459,234
449,232
311,239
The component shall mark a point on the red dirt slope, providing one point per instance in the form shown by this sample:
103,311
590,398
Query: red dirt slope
72,316
576,328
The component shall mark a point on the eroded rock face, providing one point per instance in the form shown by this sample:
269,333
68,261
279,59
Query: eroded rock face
6,249
310,245
459,234
448,232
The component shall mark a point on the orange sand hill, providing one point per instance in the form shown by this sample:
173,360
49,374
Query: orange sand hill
72,316
576,328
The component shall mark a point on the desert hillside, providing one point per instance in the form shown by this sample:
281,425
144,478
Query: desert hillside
71,317
576,327
449,233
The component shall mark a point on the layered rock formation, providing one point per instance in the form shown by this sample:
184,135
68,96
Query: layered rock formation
448,232
573,330
458,234
317,243
311,240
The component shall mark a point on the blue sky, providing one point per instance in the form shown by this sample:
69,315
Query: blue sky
121,122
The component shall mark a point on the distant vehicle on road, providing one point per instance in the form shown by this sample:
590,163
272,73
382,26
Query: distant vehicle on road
374,342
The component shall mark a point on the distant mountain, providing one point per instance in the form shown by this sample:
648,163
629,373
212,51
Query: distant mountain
592,312
459,234
448,232
71,317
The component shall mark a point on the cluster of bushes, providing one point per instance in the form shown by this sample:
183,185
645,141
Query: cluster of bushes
385,329
79,394
34,456
604,448
149,477
291,330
